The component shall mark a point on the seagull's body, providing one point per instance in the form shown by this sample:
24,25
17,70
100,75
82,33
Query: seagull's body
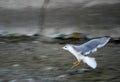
81,52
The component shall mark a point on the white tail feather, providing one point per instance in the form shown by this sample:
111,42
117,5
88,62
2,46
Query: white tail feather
90,61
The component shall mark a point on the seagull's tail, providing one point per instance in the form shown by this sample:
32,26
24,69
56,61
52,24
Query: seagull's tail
90,61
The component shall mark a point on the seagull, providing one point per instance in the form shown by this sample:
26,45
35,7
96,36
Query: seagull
82,51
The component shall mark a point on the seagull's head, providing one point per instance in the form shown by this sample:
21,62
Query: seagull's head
67,47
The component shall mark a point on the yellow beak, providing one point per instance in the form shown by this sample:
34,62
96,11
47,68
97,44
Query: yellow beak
61,49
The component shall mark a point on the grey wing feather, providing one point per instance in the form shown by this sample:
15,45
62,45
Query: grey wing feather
92,45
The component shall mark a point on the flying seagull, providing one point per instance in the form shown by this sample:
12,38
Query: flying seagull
81,51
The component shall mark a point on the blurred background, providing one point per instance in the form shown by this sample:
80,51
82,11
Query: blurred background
32,33
97,17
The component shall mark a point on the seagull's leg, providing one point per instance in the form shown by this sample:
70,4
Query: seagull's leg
75,64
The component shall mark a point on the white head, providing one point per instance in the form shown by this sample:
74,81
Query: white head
70,48
67,47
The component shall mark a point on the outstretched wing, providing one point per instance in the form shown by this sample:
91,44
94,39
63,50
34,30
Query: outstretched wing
92,45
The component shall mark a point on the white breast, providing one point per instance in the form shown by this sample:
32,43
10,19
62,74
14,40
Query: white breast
76,54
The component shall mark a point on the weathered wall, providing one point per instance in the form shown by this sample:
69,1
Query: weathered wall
99,17
14,4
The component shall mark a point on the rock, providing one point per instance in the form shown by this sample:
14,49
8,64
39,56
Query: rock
50,68
57,36
29,35
36,34
77,35
35,42
62,76
30,80
77,71
13,80
74,35
72,72
15,35
83,70
16,65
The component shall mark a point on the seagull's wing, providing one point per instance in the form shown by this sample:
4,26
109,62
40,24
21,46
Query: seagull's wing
90,61
92,45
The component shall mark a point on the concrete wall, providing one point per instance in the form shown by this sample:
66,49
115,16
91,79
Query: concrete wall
98,17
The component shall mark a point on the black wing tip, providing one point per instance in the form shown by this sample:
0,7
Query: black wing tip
107,37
